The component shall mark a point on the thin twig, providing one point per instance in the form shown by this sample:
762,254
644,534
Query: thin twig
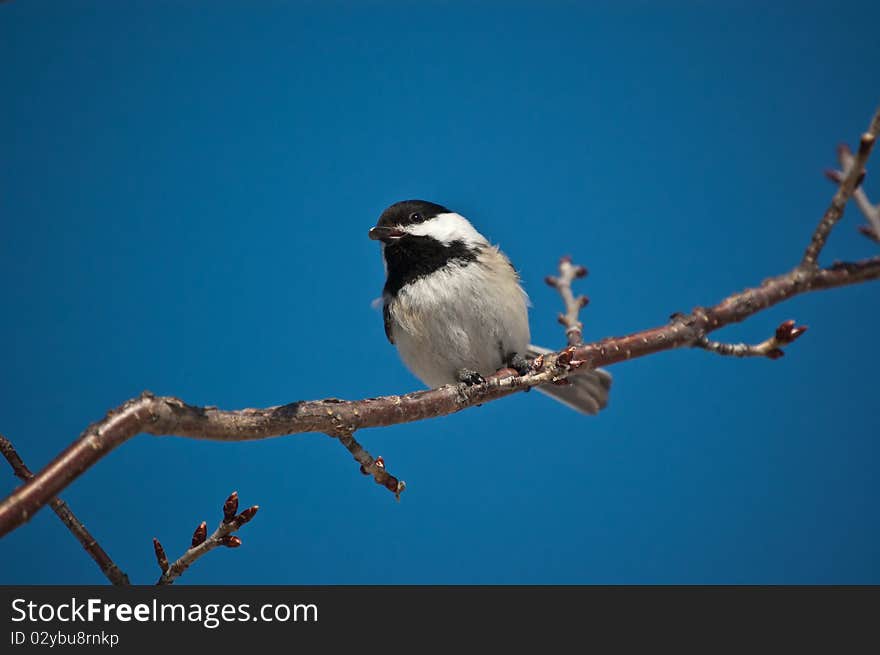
202,543
568,272
108,567
171,416
771,348
370,466
851,179
870,211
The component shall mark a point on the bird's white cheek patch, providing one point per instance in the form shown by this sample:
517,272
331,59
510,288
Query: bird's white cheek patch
447,228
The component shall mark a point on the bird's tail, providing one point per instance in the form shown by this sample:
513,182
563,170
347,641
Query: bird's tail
587,391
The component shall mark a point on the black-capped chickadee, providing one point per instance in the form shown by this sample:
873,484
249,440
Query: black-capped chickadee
454,307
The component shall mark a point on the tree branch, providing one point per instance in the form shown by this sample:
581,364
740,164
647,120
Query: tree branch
370,466
771,348
870,211
108,567
341,418
568,272
852,178
203,544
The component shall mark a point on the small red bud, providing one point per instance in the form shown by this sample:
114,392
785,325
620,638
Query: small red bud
566,356
231,541
833,175
551,281
246,515
784,330
380,463
583,301
870,232
788,332
200,534
230,507
161,558
580,271
775,353
565,259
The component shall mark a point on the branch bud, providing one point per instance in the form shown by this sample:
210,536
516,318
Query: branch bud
787,332
230,507
783,330
246,516
200,534
551,281
775,353
580,271
391,483
380,463
161,558
869,232
833,175
866,142
230,541
566,356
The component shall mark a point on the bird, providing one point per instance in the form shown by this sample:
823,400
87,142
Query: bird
454,306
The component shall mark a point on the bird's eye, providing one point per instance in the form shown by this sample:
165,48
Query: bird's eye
416,217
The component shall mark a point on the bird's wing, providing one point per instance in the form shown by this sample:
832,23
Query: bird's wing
386,315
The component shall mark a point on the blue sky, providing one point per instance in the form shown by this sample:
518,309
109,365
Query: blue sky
185,194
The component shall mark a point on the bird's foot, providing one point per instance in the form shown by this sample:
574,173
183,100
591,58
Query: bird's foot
470,377
519,363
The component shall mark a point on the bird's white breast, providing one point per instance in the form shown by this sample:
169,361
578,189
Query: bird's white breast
462,316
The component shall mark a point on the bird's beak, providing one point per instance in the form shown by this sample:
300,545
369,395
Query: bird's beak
383,233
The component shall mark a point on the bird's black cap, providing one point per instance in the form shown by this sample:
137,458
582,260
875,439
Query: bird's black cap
407,212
